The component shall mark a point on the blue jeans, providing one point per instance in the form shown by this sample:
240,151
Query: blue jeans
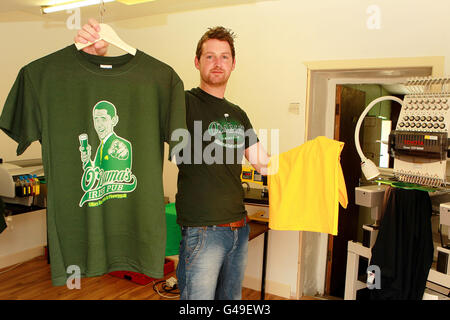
212,262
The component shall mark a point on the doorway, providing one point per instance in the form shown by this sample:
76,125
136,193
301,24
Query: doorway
351,100
325,83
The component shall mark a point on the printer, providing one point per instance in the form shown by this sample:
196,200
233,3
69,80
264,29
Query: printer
22,185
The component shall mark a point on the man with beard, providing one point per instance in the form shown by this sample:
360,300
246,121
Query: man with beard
210,199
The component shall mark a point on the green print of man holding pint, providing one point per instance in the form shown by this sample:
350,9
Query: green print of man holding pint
109,175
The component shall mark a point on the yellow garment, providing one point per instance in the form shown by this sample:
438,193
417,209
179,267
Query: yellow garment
306,185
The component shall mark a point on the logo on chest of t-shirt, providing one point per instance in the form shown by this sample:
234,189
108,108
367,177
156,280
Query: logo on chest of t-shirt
109,175
227,132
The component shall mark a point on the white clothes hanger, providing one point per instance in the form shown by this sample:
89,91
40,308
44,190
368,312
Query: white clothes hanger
108,34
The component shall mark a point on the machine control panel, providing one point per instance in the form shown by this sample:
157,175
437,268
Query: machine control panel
425,112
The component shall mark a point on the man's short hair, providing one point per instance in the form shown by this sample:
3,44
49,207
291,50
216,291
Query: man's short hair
219,33
106,105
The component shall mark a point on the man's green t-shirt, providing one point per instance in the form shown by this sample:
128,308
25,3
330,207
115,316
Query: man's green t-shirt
102,123
209,184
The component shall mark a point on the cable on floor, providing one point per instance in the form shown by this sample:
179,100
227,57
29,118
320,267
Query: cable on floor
167,289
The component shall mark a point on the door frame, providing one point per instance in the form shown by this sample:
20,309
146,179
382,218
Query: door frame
322,78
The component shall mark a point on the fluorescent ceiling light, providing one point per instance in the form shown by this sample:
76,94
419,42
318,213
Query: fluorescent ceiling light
71,5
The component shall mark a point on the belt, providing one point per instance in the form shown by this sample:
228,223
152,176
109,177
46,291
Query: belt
235,224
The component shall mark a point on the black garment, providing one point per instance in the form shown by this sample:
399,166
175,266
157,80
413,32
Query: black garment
2,216
209,184
404,247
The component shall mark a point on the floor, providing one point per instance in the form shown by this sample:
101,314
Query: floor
31,281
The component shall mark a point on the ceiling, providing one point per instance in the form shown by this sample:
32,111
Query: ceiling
20,10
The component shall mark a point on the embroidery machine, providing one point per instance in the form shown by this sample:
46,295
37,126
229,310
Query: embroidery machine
420,148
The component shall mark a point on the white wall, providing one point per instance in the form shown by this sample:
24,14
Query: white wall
274,39
24,238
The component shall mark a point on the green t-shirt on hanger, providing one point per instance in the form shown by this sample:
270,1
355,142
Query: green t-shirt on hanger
102,123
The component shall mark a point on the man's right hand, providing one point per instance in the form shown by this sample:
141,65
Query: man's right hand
89,33
85,154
